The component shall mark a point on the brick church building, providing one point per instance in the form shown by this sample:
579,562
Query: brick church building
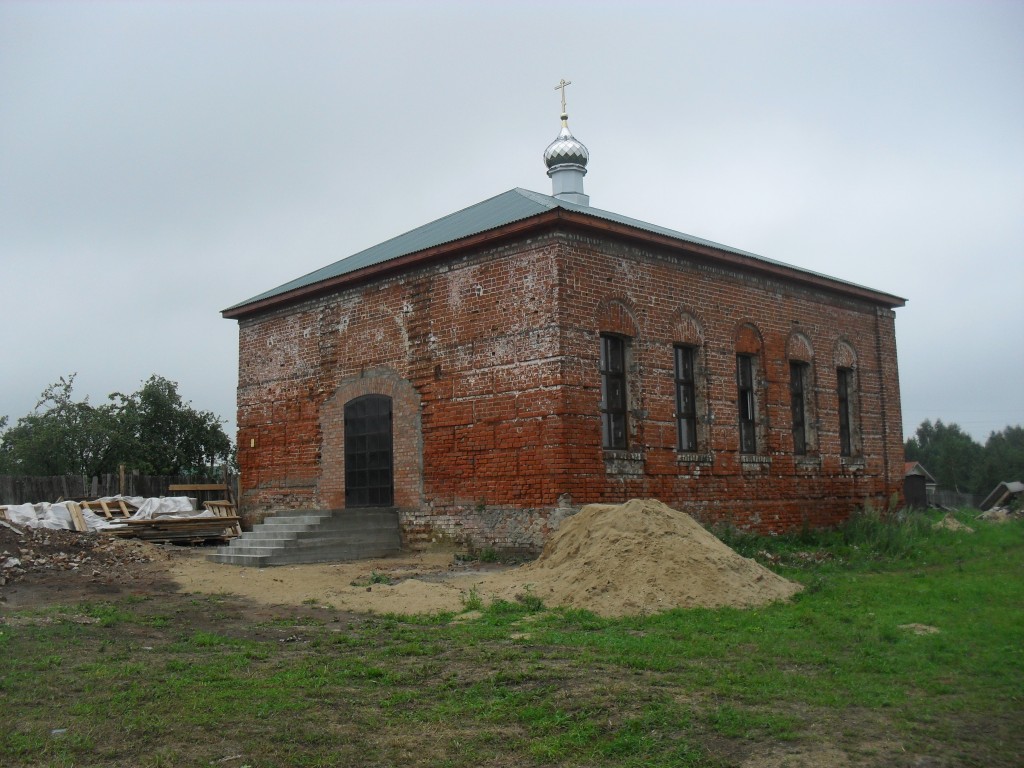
490,372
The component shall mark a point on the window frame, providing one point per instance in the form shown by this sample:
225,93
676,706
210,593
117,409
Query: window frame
798,390
685,364
612,366
845,387
746,403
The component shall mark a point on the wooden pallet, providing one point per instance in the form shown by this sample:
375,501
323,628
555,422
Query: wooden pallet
225,509
109,507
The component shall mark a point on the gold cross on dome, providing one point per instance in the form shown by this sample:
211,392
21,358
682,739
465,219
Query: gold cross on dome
561,86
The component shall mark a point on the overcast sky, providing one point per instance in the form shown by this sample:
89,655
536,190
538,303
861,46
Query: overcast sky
161,161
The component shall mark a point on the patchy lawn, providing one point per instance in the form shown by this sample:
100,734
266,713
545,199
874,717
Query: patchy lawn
905,654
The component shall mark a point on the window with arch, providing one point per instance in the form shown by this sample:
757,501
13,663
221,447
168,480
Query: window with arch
749,390
686,398
847,401
614,398
844,387
747,402
802,395
799,378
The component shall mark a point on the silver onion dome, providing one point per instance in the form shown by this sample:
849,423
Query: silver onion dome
566,149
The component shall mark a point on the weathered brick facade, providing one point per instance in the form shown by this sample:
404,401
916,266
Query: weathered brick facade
489,351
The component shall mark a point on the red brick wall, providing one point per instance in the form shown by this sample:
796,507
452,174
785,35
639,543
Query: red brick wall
726,314
473,346
492,361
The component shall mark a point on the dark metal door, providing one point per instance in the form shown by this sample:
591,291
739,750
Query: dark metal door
368,452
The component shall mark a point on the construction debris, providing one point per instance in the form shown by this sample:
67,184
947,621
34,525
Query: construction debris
95,556
998,515
163,519
1003,495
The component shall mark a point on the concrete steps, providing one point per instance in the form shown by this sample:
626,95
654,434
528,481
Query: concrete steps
315,536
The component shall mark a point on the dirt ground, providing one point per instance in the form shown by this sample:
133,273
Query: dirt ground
641,557
62,567
428,582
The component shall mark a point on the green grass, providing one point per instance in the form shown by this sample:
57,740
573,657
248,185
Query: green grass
832,670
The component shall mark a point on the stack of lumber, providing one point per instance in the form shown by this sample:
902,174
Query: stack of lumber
177,529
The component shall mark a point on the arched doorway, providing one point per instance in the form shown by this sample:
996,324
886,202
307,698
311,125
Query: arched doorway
369,453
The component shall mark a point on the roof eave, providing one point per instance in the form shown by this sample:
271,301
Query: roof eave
580,220
740,261
393,265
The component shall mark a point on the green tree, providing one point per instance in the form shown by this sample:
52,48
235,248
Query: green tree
1003,459
950,454
166,435
60,436
151,430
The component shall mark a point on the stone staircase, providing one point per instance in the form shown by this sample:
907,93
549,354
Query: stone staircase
315,536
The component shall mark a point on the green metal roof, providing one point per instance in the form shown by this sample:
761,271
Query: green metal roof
506,208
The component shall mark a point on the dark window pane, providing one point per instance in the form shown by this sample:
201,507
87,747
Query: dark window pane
614,396
798,406
687,440
844,377
686,399
746,403
748,439
744,375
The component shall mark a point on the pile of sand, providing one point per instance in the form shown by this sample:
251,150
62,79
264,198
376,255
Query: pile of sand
638,557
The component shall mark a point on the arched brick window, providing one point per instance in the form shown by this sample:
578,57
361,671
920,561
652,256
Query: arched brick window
749,399
614,395
802,394
847,400
618,328
689,383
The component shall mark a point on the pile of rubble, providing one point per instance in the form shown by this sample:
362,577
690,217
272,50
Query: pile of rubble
1000,515
34,550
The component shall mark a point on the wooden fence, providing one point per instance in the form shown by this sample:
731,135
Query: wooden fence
952,499
31,490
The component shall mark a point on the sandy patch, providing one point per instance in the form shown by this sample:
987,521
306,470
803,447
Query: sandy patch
920,629
351,586
615,560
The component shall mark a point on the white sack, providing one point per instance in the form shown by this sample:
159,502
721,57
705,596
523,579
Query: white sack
23,514
167,506
57,517
52,516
